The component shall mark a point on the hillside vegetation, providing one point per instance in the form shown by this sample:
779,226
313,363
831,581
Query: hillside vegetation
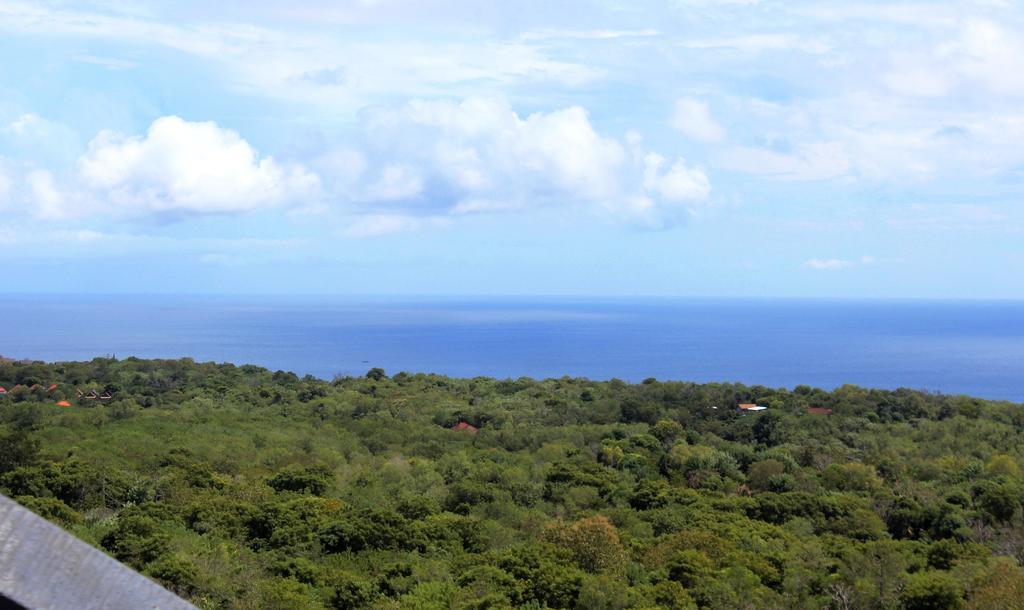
239,487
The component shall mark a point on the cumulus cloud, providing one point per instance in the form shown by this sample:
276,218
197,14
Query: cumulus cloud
182,167
423,159
677,183
693,118
479,155
481,144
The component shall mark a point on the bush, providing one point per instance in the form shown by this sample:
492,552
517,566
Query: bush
349,590
178,575
136,540
932,591
51,509
593,542
314,480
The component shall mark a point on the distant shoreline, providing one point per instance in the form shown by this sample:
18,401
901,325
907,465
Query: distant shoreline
192,361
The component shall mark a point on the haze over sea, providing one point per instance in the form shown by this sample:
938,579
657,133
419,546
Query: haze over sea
968,347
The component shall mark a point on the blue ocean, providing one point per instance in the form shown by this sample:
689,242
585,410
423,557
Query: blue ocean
955,347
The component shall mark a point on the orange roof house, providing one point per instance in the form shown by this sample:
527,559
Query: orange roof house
748,406
63,403
464,426
819,411
3,390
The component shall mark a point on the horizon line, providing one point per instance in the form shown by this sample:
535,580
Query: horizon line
520,296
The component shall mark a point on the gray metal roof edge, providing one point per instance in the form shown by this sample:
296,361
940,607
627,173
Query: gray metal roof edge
44,567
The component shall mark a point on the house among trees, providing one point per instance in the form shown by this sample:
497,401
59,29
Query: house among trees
3,391
63,403
745,407
464,426
819,411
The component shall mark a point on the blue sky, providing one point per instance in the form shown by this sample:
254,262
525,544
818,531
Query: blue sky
682,147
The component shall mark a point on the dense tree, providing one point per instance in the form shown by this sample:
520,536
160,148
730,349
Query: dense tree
239,487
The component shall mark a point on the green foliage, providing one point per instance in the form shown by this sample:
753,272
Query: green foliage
1000,502
52,509
932,591
349,590
137,540
593,543
178,575
239,487
313,480
17,449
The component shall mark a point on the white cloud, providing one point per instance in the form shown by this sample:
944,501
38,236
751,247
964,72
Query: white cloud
30,137
989,54
677,183
180,167
396,182
693,118
478,155
426,158
481,146
48,203
837,264
828,264
983,57
588,34
284,64
26,124
5,185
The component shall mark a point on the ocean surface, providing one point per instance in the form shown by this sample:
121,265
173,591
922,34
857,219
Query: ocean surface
957,347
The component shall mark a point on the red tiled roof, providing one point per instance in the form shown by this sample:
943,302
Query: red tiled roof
464,426
819,411
63,403
747,405
2,390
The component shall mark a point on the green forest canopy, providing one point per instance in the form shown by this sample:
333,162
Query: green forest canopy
238,487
